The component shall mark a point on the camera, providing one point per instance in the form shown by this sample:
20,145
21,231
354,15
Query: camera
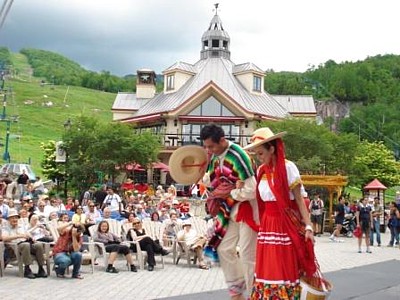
78,227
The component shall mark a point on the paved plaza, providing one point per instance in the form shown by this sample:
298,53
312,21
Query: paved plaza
184,282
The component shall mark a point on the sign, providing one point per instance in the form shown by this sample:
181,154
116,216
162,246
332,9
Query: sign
61,155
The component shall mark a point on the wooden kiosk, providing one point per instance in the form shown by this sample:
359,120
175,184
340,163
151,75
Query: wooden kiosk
334,184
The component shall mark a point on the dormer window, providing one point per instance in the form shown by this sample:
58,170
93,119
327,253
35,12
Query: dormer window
170,82
256,83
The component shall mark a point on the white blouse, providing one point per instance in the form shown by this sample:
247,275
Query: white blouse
293,175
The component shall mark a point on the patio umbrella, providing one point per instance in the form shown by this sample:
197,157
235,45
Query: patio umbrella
159,165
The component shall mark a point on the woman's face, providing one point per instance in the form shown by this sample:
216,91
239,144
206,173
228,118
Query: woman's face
53,216
34,220
23,213
264,155
65,218
104,227
131,217
136,223
155,217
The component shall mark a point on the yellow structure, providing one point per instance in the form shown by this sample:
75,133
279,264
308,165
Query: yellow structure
333,183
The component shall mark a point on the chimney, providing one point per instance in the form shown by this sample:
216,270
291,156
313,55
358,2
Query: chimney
145,84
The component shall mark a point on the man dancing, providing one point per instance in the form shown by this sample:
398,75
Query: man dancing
230,177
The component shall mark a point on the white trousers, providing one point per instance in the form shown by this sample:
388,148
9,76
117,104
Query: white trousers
238,270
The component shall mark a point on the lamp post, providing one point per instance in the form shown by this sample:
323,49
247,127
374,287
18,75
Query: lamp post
67,126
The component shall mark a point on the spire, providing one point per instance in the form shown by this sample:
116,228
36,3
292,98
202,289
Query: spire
215,41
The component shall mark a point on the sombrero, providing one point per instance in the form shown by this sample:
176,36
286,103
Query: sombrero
188,164
261,136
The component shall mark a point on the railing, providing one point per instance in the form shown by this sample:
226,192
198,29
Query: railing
174,140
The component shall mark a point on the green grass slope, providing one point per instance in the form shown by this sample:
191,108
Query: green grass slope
38,122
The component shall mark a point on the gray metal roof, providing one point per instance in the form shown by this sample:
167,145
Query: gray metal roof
127,101
297,104
215,30
246,67
181,66
219,70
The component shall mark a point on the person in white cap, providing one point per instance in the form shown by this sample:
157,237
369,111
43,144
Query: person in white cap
26,246
194,241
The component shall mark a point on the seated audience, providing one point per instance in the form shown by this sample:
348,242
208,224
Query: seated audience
79,217
155,217
70,203
93,215
113,246
26,246
171,224
140,213
194,241
164,215
106,214
146,244
38,230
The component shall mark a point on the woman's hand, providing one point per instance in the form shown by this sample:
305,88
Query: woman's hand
309,233
310,236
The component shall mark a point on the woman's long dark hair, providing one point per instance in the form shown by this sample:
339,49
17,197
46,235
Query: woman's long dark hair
101,223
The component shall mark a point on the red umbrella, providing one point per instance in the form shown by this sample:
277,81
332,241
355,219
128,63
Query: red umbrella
161,166
138,168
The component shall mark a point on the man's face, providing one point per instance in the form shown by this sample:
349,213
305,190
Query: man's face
215,148
107,213
13,221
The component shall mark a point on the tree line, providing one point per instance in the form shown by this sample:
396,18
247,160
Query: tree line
371,86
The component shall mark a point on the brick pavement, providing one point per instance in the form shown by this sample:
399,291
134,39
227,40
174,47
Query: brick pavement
172,280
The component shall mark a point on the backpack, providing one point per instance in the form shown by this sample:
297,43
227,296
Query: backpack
82,196
317,205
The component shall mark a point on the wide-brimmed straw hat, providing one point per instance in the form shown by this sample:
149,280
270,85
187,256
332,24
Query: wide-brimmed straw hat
262,136
188,164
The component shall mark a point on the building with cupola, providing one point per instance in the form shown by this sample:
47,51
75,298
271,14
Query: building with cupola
213,89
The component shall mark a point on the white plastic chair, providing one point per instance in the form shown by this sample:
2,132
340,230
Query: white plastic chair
90,255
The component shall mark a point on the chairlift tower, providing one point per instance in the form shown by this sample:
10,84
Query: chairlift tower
8,120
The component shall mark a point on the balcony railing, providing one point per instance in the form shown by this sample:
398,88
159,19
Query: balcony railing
174,140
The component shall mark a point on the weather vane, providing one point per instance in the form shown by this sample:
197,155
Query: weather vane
216,8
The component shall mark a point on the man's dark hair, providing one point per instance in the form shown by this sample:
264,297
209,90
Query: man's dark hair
212,131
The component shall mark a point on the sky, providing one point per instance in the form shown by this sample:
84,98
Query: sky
122,36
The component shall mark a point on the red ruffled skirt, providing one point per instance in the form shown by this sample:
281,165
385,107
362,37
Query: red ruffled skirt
277,268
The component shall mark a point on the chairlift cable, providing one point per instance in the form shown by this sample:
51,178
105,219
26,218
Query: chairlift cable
3,16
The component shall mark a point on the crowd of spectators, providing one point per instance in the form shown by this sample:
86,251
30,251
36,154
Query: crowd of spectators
25,220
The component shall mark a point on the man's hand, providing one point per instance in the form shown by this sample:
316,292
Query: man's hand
239,184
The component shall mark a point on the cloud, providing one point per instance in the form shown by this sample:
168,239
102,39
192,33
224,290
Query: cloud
122,36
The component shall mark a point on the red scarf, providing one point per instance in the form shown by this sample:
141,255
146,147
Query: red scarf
277,180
